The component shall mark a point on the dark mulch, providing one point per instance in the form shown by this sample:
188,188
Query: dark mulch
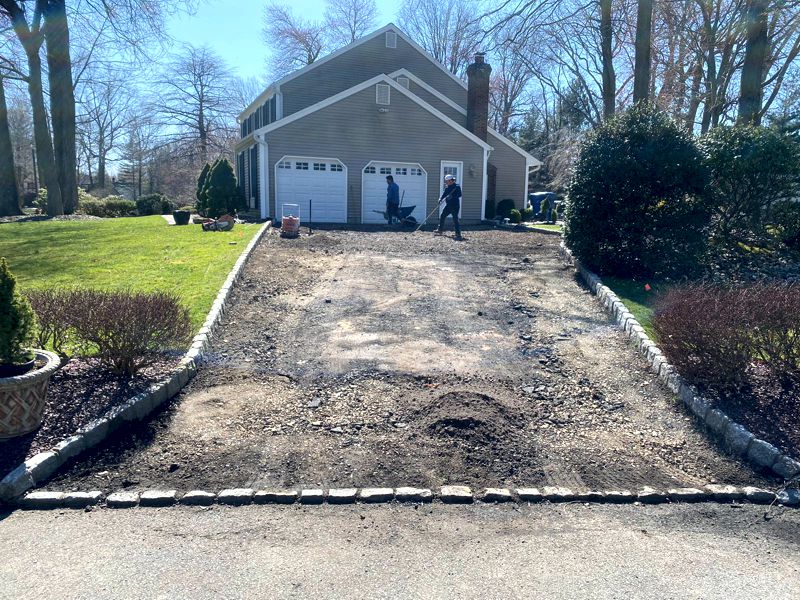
34,218
767,407
82,390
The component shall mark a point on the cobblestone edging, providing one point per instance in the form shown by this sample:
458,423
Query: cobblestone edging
40,467
735,437
453,494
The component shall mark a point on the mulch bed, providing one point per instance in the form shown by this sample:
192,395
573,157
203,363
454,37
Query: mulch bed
81,391
767,407
26,218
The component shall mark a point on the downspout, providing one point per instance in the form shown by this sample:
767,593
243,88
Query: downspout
263,161
486,153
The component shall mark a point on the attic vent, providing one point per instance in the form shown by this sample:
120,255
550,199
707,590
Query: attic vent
403,81
382,94
391,39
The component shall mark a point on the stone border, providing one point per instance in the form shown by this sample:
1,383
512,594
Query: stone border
453,494
736,439
40,467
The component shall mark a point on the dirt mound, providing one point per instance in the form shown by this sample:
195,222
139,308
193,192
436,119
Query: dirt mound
469,417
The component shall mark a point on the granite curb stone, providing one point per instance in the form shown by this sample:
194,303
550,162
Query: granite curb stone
198,498
376,494
81,499
456,494
236,496
496,495
312,496
42,500
342,495
411,494
122,500
158,498
275,497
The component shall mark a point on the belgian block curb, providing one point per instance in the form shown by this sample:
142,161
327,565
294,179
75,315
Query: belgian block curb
736,439
42,466
451,494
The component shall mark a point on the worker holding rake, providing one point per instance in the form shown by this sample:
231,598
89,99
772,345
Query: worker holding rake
452,205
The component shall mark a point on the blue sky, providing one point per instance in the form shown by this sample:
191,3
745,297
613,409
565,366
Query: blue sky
233,29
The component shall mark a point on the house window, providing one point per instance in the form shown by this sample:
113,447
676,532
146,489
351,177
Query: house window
404,82
386,170
337,167
401,171
319,166
391,39
369,170
382,94
301,166
285,165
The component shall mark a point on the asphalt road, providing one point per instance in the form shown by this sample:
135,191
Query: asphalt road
435,551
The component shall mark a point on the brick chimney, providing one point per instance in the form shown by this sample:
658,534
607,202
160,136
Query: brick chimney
478,96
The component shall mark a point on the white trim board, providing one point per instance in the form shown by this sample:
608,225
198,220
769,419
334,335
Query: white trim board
456,106
460,164
363,86
275,86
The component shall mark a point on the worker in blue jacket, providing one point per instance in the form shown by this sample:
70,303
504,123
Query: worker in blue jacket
452,204
392,199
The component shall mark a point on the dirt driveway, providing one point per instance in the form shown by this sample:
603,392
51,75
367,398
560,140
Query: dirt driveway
385,358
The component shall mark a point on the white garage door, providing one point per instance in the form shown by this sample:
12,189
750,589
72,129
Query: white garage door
410,177
318,185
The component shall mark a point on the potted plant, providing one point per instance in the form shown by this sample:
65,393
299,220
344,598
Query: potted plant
24,372
182,215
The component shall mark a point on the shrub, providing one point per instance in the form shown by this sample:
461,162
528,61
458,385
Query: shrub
491,209
712,333
17,321
504,208
544,210
154,204
41,200
128,330
515,216
636,204
53,309
200,193
187,208
751,168
109,207
222,194
785,220
527,214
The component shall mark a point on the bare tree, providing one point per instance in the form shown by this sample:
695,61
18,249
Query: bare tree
450,30
349,20
295,42
644,27
607,54
9,192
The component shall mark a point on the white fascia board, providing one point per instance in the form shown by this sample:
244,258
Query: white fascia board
274,87
361,87
463,111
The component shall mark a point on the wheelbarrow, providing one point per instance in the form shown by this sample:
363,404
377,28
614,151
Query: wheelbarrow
403,215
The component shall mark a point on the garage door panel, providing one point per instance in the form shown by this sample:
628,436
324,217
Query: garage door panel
411,179
317,186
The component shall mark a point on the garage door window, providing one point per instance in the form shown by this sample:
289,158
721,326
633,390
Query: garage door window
369,170
401,171
386,170
319,166
301,166
336,167
285,165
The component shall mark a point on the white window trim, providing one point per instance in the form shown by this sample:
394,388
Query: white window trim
391,39
379,89
393,163
404,81
312,159
460,164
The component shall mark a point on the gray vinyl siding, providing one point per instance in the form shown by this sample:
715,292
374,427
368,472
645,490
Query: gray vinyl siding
353,131
361,63
437,103
511,171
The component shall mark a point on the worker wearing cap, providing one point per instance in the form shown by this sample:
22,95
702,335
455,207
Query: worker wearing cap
392,199
452,199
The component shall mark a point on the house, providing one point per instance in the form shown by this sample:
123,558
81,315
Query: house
325,137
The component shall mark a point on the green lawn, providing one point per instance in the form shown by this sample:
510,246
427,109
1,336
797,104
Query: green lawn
636,298
139,253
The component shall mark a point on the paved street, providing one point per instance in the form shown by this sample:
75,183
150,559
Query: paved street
559,551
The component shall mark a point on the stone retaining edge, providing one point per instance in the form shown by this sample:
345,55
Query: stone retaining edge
456,494
42,466
736,439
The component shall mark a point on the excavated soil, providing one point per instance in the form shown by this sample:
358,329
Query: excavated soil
354,358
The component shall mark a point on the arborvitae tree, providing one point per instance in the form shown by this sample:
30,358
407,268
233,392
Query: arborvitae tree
201,184
17,321
222,195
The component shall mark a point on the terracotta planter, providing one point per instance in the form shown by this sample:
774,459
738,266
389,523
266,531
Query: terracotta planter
22,398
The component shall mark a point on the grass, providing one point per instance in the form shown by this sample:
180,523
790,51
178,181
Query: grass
638,299
547,226
137,253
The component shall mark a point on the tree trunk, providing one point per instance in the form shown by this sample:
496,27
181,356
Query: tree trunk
9,194
606,45
62,101
641,69
41,135
755,56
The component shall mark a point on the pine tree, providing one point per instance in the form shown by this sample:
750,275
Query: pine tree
17,320
222,195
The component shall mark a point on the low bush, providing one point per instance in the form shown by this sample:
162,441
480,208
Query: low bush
504,208
491,209
636,204
187,208
41,200
712,333
154,204
108,207
786,223
53,308
515,216
527,214
128,330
